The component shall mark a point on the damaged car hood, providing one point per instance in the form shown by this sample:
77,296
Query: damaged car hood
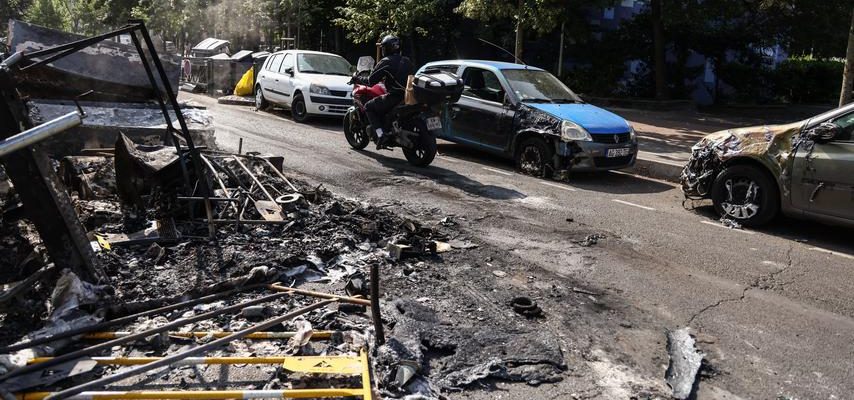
594,119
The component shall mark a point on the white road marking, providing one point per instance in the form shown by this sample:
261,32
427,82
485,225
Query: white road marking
633,204
497,171
728,228
843,255
450,159
671,184
554,185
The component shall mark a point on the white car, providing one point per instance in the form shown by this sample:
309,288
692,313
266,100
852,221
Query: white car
306,82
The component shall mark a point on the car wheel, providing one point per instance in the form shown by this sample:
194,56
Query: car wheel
533,157
745,194
260,102
298,109
425,150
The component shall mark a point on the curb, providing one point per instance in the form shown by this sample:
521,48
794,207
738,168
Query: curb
651,167
236,100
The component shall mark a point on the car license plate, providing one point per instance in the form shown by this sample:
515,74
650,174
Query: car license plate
625,151
434,123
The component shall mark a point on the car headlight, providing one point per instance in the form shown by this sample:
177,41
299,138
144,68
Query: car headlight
317,89
570,131
632,134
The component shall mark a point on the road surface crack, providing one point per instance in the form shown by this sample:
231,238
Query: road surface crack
757,284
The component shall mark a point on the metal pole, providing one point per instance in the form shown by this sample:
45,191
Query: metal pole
211,394
123,320
560,52
343,299
32,136
375,305
166,361
280,174
320,335
255,179
139,335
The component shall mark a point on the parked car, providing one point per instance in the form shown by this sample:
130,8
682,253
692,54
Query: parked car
309,83
527,114
805,169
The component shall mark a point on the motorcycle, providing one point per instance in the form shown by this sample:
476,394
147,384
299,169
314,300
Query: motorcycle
413,127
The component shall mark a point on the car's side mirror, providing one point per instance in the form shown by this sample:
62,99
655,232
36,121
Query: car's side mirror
824,133
506,101
290,71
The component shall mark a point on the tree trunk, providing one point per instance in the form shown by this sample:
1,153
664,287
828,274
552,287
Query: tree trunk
520,33
658,56
848,74
560,52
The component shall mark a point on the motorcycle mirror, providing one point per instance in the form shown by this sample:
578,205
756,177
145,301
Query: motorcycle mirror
365,63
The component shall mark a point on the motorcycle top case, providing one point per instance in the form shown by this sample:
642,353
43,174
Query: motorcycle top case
437,87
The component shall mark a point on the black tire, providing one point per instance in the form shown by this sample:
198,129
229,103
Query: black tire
745,194
355,132
261,103
425,151
534,157
298,109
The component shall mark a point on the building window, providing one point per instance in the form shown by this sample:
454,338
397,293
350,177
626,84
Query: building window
609,13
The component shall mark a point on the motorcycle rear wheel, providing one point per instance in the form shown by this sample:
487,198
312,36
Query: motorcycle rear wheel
425,149
355,131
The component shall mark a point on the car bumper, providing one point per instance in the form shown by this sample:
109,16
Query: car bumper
593,156
327,105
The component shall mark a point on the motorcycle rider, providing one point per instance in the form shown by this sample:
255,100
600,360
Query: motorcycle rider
393,70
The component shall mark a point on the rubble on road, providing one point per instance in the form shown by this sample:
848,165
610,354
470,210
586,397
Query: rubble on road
685,362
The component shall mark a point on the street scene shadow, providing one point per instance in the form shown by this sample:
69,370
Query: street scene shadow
812,233
442,176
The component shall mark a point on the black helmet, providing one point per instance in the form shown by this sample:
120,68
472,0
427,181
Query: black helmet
390,45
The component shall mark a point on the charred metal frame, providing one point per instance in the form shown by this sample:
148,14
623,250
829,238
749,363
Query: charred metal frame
44,197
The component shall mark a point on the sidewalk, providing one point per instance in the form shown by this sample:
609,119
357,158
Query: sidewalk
665,137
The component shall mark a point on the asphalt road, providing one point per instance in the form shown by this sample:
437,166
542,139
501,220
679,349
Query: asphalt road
773,309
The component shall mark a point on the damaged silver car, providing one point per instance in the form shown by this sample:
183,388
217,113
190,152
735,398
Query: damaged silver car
804,169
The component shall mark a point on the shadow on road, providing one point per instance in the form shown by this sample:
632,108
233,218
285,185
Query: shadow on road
442,176
810,233
325,123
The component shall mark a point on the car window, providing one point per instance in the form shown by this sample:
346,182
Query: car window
288,62
846,124
276,63
441,68
324,64
482,84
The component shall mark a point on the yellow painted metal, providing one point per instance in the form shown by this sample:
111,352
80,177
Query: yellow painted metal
339,365
321,335
188,361
102,240
208,394
367,390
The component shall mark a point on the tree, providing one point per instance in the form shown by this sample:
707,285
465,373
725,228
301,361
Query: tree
848,75
540,15
12,9
367,20
48,13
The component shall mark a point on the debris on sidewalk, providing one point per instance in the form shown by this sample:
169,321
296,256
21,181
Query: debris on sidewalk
685,362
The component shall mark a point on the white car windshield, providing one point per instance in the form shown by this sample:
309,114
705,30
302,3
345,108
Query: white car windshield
323,64
539,87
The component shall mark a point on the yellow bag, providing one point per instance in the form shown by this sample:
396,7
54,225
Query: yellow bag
244,86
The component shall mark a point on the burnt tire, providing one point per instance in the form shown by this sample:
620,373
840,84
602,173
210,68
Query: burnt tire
261,103
355,132
533,157
745,194
425,151
298,109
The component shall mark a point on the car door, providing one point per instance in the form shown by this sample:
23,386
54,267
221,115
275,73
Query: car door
825,173
479,116
272,89
287,76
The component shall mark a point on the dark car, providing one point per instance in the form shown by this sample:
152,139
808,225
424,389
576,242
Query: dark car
527,114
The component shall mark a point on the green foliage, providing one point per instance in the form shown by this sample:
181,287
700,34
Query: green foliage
367,20
541,15
49,13
807,80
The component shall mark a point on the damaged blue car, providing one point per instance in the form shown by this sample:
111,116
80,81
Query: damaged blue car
527,114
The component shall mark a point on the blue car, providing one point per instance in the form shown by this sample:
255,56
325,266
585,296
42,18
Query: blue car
527,114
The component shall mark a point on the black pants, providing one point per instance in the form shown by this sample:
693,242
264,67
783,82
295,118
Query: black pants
378,107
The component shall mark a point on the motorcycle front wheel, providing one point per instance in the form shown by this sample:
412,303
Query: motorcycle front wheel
354,131
424,151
